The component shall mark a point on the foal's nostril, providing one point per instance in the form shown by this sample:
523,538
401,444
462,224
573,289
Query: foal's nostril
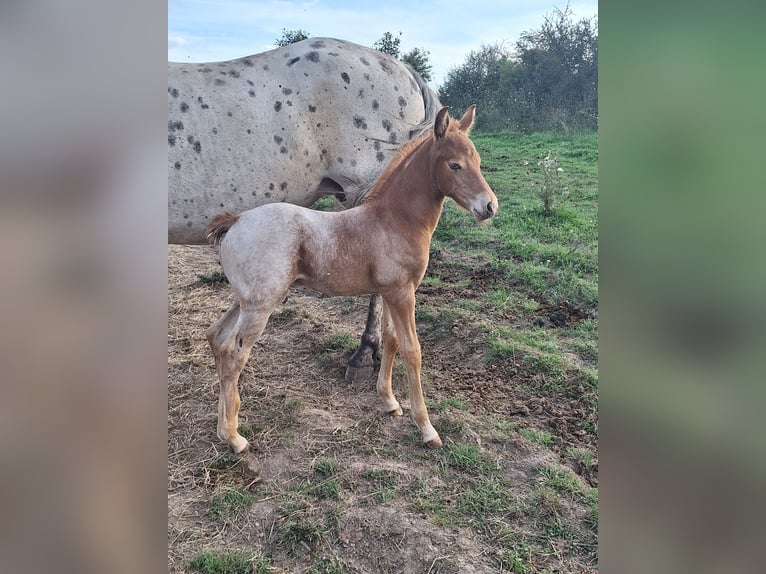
490,209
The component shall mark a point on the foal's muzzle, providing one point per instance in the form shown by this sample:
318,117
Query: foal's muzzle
485,208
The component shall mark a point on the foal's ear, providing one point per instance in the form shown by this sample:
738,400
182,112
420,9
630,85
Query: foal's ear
466,122
441,123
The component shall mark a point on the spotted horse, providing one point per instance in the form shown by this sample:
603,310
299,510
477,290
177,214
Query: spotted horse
314,118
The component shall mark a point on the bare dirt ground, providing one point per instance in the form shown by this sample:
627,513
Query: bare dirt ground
390,514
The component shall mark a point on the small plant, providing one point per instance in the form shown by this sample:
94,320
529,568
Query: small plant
551,186
213,279
326,467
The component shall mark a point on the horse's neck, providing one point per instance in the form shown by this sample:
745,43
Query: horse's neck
411,194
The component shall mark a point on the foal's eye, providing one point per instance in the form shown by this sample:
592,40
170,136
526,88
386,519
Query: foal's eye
455,166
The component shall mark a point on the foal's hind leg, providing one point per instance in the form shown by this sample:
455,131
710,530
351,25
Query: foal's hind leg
232,337
401,307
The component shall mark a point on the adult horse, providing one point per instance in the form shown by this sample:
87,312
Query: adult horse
315,118
380,247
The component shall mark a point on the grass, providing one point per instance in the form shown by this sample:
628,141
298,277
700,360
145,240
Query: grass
485,287
542,437
230,503
230,562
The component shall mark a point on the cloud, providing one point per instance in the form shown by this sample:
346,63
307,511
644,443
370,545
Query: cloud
176,42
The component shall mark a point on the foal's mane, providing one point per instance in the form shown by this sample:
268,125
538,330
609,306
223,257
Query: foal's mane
405,151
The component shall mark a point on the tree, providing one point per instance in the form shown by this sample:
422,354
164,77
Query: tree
550,81
559,64
389,44
291,37
418,59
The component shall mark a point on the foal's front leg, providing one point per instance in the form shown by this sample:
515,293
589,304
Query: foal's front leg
390,346
400,307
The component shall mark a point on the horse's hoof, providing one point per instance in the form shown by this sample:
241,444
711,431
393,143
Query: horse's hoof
435,443
397,412
356,374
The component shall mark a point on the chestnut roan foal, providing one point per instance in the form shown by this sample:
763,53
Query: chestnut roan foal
380,246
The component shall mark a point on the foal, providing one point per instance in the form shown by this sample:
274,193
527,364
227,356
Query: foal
380,246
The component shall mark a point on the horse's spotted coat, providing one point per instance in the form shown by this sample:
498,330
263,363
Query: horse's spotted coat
317,117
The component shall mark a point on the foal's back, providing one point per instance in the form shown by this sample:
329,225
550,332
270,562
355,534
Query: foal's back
275,246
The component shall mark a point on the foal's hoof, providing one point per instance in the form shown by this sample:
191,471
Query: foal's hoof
356,374
397,412
435,443
240,445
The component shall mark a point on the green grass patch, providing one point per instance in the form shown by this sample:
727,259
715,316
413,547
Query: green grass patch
230,562
213,279
230,503
469,458
326,467
384,483
485,496
327,565
542,437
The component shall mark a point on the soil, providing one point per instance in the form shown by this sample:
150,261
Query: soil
300,410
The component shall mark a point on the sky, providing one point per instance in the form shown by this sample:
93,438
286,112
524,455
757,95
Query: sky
215,30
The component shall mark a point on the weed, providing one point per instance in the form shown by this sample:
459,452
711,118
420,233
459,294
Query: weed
213,279
326,467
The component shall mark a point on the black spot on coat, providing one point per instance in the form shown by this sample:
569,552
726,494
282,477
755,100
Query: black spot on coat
292,61
312,109
184,107
219,82
360,122
277,106
345,77
312,56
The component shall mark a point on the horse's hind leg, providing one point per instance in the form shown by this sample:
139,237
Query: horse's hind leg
361,365
232,338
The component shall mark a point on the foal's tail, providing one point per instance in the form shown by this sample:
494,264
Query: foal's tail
219,226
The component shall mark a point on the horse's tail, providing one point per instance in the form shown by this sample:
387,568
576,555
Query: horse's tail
431,104
219,226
